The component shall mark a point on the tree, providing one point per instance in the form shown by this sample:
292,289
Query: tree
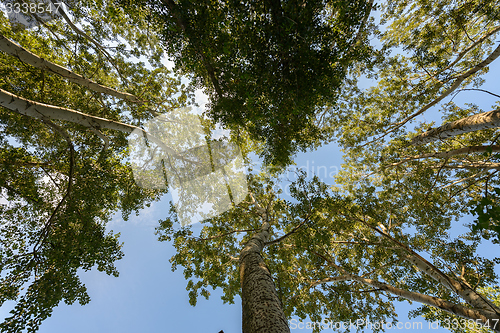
320,250
447,48
65,172
268,67
433,175
65,98
333,258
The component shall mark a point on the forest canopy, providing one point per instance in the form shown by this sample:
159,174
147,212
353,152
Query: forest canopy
282,77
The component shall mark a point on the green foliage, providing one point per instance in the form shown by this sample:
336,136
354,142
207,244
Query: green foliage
414,192
488,215
268,67
426,47
329,236
59,185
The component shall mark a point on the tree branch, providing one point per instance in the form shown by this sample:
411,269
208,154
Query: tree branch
473,123
291,232
10,47
450,153
45,230
225,234
470,296
90,39
482,316
458,80
44,111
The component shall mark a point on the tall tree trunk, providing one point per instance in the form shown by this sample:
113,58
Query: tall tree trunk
262,310
473,123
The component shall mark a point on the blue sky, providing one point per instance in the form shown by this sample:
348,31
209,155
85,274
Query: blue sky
149,297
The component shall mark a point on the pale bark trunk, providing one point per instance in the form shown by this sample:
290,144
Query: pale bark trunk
481,316
473,123
262,308
450,153
44,111
466,292
10,47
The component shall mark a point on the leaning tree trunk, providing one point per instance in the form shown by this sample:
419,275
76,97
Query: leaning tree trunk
10,47
473,123
262,310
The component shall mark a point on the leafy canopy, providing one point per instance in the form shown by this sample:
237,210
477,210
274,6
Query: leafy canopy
268,67
60,181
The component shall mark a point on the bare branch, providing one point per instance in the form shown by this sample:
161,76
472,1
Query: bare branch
481,90
458,80
464,179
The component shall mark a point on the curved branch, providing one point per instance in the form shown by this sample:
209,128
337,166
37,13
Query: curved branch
464,179
482,316
450,153
473,123
277,240
45,111
481,90
463,290
10,47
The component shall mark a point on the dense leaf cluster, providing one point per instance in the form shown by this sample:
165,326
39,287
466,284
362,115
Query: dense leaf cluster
60,183
268,66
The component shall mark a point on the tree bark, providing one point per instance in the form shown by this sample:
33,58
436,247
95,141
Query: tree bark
50,112
10,47
262,308
469,295
473,123
480,316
